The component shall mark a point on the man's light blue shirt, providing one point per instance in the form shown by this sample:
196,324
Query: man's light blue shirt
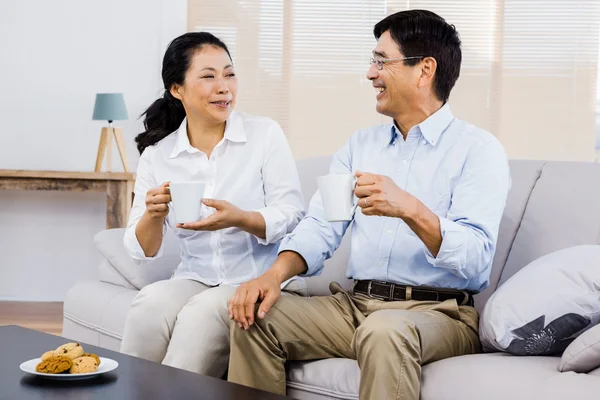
460,172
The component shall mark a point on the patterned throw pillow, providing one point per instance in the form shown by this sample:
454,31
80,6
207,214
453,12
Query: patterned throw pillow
542,308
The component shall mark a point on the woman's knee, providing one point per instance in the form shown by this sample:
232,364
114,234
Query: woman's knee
212,302
153,299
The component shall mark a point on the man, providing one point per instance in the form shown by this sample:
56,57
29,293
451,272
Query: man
431,191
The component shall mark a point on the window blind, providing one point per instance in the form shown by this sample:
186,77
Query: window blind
529,72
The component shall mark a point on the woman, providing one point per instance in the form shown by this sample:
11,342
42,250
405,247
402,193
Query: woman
252,199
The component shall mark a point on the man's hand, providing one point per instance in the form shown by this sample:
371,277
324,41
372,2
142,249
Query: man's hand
226,216
241,306
379,195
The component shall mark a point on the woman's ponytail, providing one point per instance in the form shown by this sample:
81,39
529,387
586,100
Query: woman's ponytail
162,118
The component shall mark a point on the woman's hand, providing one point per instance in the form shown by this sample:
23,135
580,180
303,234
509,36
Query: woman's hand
157,201
226,216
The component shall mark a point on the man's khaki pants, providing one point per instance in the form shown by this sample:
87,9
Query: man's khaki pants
184,324
389,339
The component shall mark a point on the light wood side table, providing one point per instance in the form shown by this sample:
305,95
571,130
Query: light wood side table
117,185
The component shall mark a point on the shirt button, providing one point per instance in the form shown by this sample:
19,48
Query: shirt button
424,141
381,263
389,231
404,162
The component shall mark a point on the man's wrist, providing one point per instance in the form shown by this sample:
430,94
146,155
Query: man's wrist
412,212
288,264
275,273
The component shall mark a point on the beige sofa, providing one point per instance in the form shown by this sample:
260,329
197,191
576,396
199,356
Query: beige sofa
551,205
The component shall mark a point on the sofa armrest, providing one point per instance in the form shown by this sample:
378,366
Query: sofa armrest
110,244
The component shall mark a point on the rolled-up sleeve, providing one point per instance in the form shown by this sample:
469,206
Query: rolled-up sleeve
470,228
284,203
144,181
316,239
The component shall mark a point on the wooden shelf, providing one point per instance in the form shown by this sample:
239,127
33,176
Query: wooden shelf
100,176
118,187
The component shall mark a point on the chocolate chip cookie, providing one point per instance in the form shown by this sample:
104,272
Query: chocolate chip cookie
71,350
54,365
48,354
93,356
84,365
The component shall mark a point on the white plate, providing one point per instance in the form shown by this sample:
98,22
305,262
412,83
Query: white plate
106,365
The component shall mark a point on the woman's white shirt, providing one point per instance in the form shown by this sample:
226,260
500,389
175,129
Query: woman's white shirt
253,168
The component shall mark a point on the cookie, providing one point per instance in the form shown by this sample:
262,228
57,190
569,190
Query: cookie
84,365
71,350
48,354
93,356
54,365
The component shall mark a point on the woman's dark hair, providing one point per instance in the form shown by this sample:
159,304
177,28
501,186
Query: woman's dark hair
424,33
165,115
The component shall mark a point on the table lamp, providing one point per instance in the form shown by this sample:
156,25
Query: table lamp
110,107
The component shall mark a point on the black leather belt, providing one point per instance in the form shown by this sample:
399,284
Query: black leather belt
392,292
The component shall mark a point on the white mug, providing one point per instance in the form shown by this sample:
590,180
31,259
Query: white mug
186,200
337,193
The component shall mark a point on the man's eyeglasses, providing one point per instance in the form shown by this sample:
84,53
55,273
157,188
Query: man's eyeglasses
381,61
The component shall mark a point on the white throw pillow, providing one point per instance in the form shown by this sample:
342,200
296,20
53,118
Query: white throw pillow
109,243
583,355
544,306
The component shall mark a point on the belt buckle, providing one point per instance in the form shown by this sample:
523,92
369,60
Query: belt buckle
378,296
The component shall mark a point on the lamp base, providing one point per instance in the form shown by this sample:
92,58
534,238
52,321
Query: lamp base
106,147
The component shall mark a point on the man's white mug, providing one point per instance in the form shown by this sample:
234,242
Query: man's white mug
186,200
337,193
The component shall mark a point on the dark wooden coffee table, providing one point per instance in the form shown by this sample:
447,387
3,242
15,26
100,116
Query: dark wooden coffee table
133,379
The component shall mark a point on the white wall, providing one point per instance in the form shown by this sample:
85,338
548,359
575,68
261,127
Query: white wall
56,55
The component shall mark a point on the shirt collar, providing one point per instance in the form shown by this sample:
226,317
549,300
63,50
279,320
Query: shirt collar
234,129
234,132
431,128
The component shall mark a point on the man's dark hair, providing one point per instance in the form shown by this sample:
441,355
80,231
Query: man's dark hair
424,33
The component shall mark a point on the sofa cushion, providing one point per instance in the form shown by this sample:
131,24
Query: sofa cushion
545,305
497,376
563,211
110,244
109,274
336,378
501,376
524,175
583,355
